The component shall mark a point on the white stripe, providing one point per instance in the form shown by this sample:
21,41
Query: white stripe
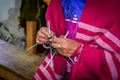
51,64
76,19
111,65
117,55
68,20
86,37
58,77
47,59
73,21
45,72
113,38
106,46
91,28
37,77
68,67
99,41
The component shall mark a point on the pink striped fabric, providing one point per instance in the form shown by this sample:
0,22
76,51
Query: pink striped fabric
98,29
110,43
54,71
103,39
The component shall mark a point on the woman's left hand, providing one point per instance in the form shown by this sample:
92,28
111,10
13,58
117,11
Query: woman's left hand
65,46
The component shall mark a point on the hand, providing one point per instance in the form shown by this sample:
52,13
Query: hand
43,35
65,46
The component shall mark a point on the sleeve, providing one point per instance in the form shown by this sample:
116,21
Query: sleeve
55,16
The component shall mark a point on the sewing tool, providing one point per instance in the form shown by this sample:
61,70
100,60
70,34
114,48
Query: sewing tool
50,44
31,47
49,31
69,57
55,53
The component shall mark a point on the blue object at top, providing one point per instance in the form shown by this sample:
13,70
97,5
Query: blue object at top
73,7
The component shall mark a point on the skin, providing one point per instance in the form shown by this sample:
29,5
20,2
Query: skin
67,48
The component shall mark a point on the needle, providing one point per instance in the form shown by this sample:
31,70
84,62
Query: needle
69,57
48,25
54,54
50,60
37,44
49,31
31,47
71,60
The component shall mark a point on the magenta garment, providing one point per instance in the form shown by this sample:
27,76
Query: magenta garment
54,14
98,30
57,69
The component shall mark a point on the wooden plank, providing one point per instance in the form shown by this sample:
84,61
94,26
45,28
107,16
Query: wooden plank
31,30
17,62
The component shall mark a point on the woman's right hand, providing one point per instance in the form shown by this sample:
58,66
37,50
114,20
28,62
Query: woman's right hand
42,36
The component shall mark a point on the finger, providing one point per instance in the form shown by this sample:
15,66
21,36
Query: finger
62,36
41,41
40,35
55,45
56,40
44,31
